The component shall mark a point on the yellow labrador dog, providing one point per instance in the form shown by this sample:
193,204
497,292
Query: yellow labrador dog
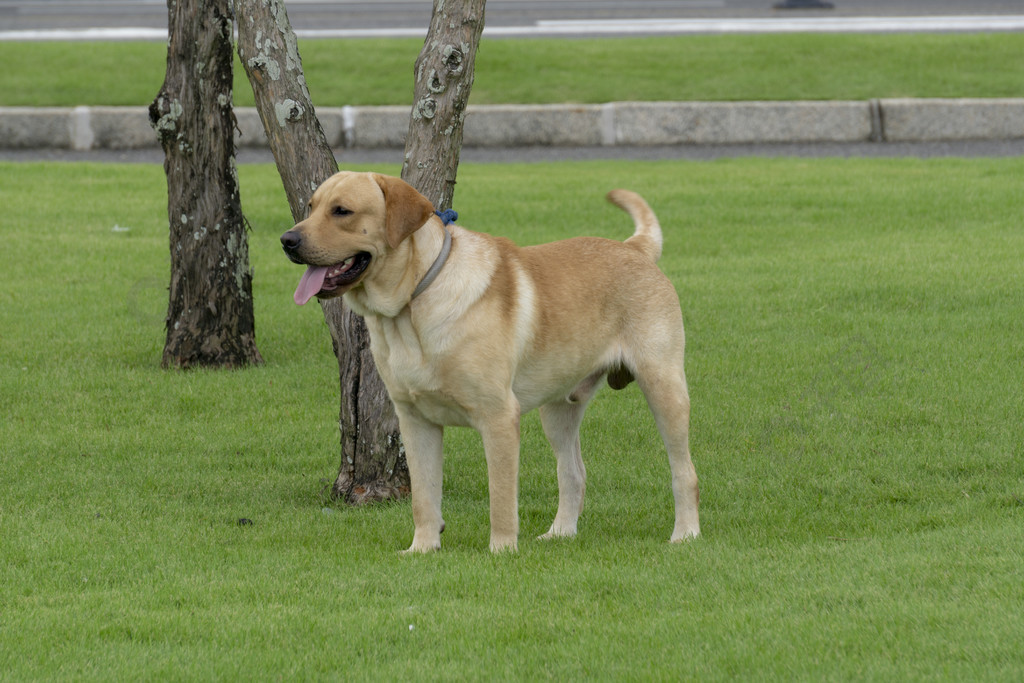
469,329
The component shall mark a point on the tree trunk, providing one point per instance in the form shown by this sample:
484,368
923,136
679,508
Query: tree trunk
210,318
444,76
373,466
270,55
372,462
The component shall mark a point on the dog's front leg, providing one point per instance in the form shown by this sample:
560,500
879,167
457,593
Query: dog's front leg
500,433
423,453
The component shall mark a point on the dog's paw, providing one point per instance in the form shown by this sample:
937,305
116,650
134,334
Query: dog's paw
558,532
420,547
414,550
504,544
683,536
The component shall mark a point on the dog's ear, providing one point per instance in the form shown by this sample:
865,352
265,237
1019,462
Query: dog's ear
405,209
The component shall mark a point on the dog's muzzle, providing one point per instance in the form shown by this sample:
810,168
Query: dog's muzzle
291,242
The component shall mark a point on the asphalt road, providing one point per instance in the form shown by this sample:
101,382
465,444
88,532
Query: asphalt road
392,15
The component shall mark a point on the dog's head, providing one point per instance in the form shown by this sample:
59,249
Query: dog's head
354,220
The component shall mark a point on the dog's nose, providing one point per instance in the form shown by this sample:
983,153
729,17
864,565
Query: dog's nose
291,241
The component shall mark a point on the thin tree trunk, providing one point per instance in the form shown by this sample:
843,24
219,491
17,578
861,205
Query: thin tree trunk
444,77
210,319
372,462
270,56
373,466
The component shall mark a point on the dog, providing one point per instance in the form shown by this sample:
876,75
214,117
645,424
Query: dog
469,329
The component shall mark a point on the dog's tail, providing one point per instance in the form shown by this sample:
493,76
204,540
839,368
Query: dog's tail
648,232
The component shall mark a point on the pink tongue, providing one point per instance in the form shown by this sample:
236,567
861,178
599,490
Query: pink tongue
311,283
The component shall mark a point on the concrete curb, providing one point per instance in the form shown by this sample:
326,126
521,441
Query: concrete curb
567,125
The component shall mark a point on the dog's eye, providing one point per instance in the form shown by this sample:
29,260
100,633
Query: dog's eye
340,211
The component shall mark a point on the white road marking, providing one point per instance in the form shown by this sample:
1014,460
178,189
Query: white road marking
603,27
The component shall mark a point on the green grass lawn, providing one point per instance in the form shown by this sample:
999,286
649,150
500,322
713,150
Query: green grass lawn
732,67
856,363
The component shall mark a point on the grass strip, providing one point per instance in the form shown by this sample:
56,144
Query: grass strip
715,68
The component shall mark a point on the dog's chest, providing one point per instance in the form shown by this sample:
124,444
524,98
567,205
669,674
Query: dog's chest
412,373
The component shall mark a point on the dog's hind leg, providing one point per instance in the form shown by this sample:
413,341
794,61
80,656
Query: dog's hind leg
667,396
561,421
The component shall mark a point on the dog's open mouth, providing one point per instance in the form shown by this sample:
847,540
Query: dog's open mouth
323,279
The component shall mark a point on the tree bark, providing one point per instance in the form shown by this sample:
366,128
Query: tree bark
372,461
373,466
444,74
210,319
270,56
